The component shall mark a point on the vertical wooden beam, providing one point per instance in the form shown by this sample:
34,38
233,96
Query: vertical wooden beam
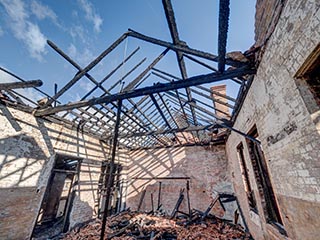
109,180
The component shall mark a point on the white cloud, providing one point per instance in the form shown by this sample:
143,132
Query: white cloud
23,29
72,50
83,58
43,11
91,15
78,31
35,40
86,85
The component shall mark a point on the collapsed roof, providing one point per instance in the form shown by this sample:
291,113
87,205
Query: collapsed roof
174,111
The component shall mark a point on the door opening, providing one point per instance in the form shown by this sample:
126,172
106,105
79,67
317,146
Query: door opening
116,203
53,217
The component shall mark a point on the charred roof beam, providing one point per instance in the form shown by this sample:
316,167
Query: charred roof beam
193,81
176,41
224,12
184,49
85,70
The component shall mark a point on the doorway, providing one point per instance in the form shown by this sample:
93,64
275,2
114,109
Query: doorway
53,217
116,195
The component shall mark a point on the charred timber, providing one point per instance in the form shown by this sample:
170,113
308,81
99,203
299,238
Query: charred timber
17,85
224,12
183,49
84,71
193,81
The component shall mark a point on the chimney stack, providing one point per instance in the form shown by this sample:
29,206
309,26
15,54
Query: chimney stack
219,102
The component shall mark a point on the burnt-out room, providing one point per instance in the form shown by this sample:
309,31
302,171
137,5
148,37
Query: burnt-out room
160,119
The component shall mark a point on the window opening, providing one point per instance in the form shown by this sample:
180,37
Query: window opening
261,173
245,178
308,80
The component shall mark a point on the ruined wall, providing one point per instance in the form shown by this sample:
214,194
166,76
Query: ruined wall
27,151
267,16
288,131
206,168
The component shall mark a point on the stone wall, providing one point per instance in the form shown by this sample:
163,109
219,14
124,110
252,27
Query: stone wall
289,133
267,16
206,168
28,146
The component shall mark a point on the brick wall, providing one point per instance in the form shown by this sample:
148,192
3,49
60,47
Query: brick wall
220,102
27,152
288,131
206,168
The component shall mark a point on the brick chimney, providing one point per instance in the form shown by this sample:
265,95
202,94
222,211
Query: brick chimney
217,93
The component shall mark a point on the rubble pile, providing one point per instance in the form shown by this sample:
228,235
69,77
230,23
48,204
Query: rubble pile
134,225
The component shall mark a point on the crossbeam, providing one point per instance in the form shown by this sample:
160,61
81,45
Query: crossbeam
193,81
167,131
17,85
184,49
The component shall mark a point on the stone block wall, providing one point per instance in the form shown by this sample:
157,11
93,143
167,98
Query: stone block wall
206,168
28,147
288,132
267,15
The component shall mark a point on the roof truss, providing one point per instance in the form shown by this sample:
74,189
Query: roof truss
176,112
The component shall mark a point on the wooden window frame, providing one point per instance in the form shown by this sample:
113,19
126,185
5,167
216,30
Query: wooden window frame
246,180
261,172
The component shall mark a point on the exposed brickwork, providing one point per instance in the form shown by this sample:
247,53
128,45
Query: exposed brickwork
288,132
221,109
207,169
267,15
27,153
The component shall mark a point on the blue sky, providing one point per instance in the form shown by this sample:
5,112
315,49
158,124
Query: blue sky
84,28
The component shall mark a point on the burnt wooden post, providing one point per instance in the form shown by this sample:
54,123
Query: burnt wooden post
179,201
109,180
152,206
159,196
143,193
188,198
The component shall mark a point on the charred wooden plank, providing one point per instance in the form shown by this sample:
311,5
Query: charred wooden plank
177,206
224,12
17,85
193,81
